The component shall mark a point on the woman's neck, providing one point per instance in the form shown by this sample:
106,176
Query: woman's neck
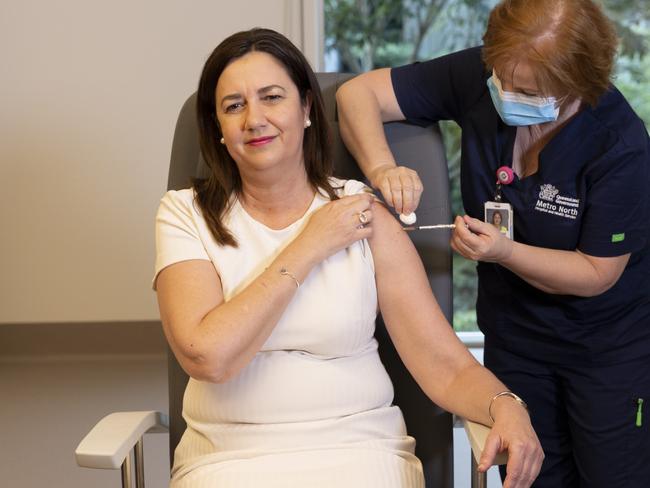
277,203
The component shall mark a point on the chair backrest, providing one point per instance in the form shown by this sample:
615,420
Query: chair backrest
421,149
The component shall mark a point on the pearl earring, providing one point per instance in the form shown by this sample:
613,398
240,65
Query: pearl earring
222,140
308,123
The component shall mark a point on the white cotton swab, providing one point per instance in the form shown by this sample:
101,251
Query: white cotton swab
408,219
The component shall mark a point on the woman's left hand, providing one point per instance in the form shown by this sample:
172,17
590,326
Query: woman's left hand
479,241
512,432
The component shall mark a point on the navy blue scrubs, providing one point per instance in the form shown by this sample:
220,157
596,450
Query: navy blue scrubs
581,364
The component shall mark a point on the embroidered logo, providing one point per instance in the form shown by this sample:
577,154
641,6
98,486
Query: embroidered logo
551,202
547,192
618,237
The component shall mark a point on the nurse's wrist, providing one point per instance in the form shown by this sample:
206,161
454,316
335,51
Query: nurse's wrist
378,170
506,251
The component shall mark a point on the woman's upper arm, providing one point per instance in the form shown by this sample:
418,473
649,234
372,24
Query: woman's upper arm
422,335
187,291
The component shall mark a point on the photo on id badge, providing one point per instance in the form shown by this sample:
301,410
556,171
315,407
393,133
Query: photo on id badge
499,215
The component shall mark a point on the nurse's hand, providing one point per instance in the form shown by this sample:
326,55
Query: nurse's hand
512,432
479,241
400,186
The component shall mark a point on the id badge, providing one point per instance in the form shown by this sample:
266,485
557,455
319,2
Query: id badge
500,215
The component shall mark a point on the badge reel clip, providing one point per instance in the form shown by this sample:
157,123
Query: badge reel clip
497,212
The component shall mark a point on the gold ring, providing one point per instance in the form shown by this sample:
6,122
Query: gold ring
363,218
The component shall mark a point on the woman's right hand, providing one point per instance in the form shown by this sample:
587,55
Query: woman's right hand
400,186
337,225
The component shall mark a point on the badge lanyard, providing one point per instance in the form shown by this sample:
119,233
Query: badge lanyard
496,212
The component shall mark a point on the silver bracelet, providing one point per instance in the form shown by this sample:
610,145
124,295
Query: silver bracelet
508,394
286,272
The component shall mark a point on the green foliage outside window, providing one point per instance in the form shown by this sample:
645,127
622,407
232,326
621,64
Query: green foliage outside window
364,34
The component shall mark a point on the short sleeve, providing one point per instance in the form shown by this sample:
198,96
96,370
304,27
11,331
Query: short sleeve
616,212
177,234
354,187
440,89
346,188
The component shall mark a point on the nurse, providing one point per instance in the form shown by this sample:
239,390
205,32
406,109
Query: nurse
564,304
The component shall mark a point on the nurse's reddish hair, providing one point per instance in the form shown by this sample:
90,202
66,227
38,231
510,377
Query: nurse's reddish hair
570,44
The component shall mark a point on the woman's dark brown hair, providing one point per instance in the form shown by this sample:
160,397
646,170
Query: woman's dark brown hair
214,193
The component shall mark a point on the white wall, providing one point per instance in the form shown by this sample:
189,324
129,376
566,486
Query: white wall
89,96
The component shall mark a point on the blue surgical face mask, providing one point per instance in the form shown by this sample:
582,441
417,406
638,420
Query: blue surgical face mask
518,109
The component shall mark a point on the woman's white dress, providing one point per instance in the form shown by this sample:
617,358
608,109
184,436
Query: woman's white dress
313,408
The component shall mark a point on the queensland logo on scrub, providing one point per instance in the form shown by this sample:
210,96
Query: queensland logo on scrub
550,201
548,192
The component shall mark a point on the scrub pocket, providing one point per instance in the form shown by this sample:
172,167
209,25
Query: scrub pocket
638,434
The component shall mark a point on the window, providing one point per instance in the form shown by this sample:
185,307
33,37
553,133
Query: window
364,34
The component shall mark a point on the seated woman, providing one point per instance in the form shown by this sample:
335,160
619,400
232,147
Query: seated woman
269,275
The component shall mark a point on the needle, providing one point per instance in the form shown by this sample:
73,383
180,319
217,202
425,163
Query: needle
426,227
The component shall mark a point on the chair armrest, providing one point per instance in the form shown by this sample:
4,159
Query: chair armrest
477,435
112,438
